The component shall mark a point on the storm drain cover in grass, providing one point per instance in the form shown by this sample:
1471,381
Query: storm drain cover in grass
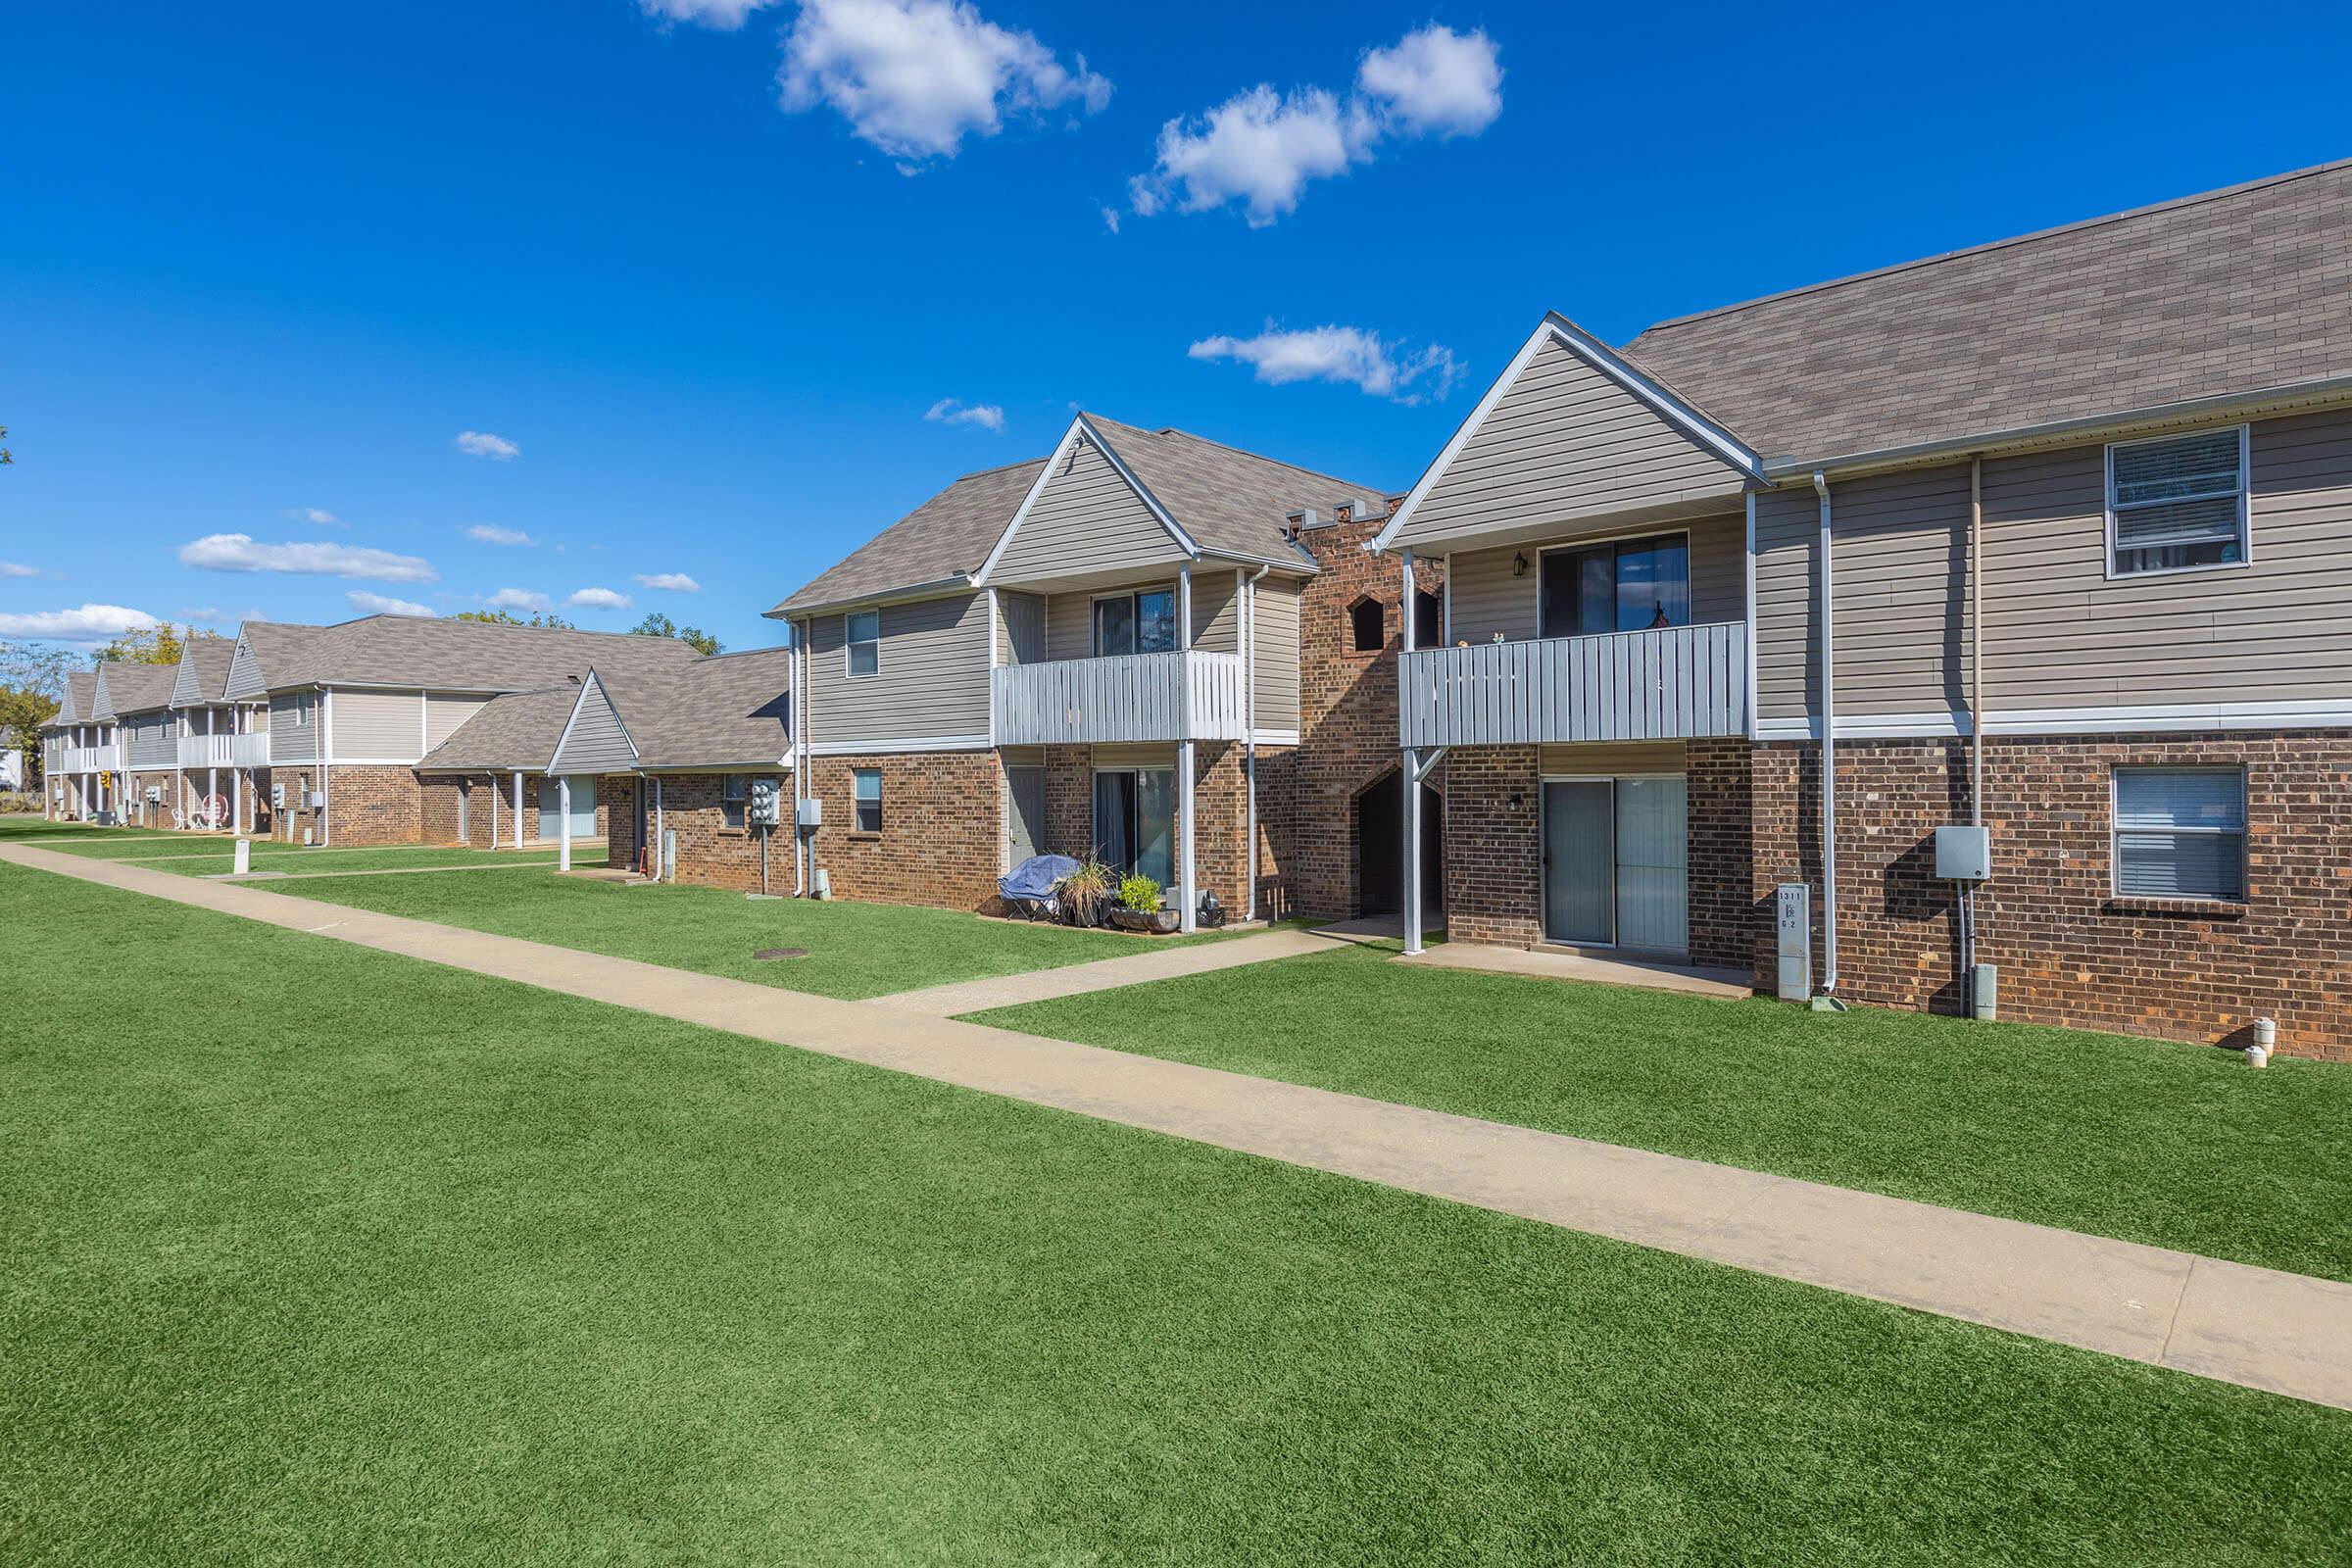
781,952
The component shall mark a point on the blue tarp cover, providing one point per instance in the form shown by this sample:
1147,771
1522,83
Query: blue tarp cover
1034,878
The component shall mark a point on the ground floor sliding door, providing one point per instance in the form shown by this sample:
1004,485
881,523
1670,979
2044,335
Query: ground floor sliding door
1135,820
1615,863
584,808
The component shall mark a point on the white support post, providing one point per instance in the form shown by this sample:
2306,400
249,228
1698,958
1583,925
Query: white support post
518,807
1409,778
1187,912
563,832
494,810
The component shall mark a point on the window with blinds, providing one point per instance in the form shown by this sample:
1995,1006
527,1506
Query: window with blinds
2177,502
2181,833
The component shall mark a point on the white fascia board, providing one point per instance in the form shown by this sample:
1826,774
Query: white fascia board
2153,718
898,744
1557,328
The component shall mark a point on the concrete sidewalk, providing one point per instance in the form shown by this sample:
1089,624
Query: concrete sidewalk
1128,969
2256,1327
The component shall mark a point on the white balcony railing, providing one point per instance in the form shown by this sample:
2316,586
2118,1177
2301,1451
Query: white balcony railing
91,759
225,751
1133,696
1677,683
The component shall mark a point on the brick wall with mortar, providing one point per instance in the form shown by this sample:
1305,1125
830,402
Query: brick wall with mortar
2069,951
1220,819
1348,710
165,783
1494,846
711,854
941,829
1726,915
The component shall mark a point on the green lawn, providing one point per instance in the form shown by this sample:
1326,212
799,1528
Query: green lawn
855,949
499,1277
2177,1145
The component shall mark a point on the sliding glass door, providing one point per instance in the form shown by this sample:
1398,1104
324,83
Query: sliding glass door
1135,821
1625,585
1615,864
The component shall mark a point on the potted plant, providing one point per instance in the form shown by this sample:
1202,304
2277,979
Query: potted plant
1140,906
1086,894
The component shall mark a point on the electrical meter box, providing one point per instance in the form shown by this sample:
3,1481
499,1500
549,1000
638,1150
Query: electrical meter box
1963,855
277,797
315,800
812,813
765,803
155,794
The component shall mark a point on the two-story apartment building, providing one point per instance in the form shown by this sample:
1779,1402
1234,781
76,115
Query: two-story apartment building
135,700
1092,652
77,754
2053,535
349,712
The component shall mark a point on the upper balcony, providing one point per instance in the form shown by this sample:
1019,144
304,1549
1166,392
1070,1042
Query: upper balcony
1185,695
225,751
1675,683
90,760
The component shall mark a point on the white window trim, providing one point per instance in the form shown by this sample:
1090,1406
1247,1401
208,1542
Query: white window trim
848,642
1175,599
2243,833
880,815
2245,506
1593,544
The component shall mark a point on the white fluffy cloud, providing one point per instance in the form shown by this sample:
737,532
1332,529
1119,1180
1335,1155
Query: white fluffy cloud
1261,147
521,599
238,551
489,533
319,515
599,599
1435,82
676,582
17,568
724,15
382,605
915,77
1350,354
952,410
483,444
88,623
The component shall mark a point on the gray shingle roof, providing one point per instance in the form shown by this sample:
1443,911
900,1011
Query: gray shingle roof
276,649
138,688
726,711
464,655
2235,291
209,658
76,701
518,730
1230,500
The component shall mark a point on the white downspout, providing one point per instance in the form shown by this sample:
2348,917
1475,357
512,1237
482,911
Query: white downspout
518,807
1828,755
1249,732
1188,914
1409,776
564,830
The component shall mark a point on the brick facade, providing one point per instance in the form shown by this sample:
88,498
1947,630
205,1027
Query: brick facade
2069,952
1220,819
943,829
1347,714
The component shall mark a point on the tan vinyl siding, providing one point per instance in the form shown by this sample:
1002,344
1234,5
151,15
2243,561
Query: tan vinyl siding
930,682
595,742
1086,519
1276,653
1069,626
2058,632
1020,628
445,714
244,673
1217,611
1135,754
1600,759
376,726
1489,601
294,727
150,740
1564,443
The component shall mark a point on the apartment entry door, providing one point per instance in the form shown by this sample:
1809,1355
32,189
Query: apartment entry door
583,809
1025,813
1135,821
1615,864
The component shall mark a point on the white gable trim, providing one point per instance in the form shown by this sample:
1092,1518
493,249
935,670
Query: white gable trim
554,761
1557,328
1083,429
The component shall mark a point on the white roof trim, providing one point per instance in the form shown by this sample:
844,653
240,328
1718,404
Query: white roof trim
555,759
1557,328
1083,428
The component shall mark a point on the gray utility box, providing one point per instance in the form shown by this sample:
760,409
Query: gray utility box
1963,855
1792,909
811,812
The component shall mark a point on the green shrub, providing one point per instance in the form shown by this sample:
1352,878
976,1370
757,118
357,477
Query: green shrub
1140,894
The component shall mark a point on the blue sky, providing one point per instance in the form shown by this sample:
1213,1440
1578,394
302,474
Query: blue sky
706,265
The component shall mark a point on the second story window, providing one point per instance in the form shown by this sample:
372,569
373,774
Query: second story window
1627,585
2176,504
1135,623
862,630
